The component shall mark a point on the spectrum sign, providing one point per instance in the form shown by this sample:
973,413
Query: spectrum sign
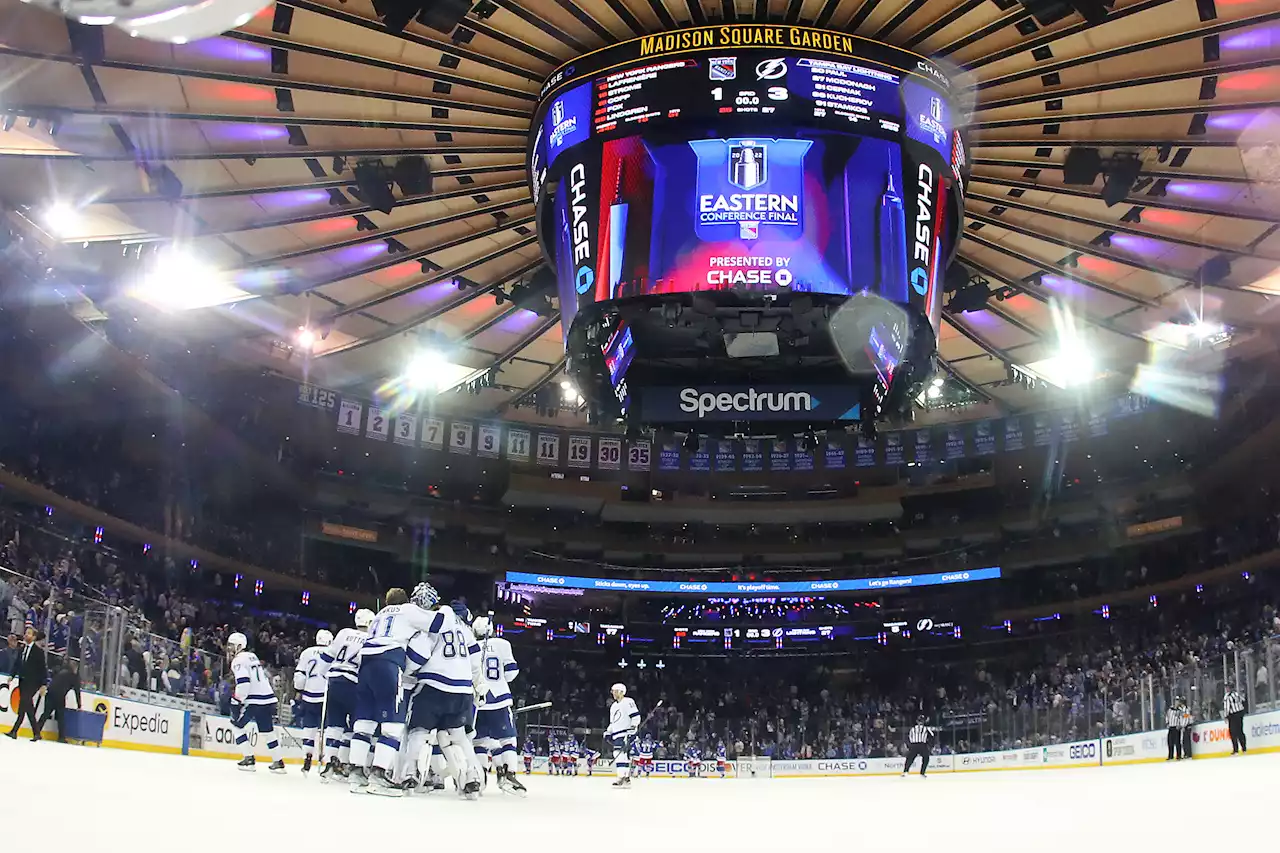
750,587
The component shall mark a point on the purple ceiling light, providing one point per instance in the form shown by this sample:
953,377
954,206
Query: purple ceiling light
230,49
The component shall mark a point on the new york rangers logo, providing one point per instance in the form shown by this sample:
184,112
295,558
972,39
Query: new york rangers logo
748,165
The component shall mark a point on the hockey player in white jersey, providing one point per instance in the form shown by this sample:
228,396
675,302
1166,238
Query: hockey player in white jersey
443,667
624,720
495,725
380,709
309,677
254,703
341,660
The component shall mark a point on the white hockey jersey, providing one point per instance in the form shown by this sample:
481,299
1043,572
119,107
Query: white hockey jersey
445,656
342,657
393,628
498,669
624,717
253,685
310,675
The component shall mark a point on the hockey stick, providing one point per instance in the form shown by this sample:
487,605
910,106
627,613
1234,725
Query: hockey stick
537,707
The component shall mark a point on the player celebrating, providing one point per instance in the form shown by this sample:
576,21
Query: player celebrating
624,720
722,759
592,757
553,756
693,760
256,702
340,662
528,757
495,725
443,667
646,755
379,709
309,681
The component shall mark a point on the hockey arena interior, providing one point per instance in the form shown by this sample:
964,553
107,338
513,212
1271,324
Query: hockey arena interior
649,424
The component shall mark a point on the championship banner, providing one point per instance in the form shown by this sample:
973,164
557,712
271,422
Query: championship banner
489,444
1043,430
579,451
405,430
700,459
460,435
317,397
802,460
1069,427
376,426
780,455
752,456
984,438
638,453
864,456
349,417
893,453
726,455
1013,435
669,459
609,454
955,443
433,433
518,441
834,458
549,449
924,446
1097,426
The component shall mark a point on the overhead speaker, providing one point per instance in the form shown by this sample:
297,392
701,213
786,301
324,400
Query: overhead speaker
443,15
1121,173
1081,167
1048,12
413,175
373,186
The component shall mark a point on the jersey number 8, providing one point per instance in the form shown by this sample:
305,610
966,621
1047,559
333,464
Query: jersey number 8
492,668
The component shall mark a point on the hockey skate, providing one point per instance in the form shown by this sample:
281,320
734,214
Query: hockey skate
359,780
306,764
508,782
277,767
623,783
381,785
471,790
247,764
331,771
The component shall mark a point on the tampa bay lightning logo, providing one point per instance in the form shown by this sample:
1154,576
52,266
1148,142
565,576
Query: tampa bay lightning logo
557,112
748,165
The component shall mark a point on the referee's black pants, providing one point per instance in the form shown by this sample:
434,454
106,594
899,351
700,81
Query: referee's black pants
1175,743
916,750
1235,725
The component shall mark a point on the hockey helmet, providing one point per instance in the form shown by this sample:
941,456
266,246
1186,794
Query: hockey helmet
482,627
618,690
236,643
364,617
425,596
323,637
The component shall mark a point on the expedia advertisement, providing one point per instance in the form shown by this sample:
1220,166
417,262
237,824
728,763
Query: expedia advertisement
719,403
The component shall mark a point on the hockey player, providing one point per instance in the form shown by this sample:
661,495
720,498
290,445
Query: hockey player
255,701
693,760
570,756
624,720
309,677
645,761
592,756
340,660
379,710
495,725
528,757
443,667
553,756
722,759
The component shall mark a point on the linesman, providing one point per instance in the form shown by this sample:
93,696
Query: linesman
920,741
1175,718
1233,705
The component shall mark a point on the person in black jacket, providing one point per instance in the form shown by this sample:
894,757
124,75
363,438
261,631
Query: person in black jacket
32,674
66,679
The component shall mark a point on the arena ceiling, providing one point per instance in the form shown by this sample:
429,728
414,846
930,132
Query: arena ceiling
241,150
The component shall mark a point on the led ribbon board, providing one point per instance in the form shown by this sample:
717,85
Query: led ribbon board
753,587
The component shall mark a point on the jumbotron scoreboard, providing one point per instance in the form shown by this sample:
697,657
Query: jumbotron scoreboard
749,224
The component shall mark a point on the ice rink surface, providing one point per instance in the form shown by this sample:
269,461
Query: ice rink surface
108,800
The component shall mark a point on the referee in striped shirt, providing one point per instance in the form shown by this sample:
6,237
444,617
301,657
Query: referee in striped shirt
919,742
1234,707
1175,719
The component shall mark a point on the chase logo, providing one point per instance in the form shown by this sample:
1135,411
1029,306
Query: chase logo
748,165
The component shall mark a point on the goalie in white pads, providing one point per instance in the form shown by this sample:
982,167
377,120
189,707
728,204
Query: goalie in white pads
309,677
443,668
255,704
624,721
341,659
495,725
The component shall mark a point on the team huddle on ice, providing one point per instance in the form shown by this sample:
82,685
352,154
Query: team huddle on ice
409,696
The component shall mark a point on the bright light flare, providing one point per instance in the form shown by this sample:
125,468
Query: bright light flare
64,220
306,338
180,281
1073,366
426,371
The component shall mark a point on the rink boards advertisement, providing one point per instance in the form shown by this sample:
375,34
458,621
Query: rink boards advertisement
129,724
853,767
213,737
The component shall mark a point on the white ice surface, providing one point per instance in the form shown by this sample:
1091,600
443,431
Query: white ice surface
65,797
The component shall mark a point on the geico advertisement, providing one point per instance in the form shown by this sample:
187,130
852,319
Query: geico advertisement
1084,753
127,722
218,739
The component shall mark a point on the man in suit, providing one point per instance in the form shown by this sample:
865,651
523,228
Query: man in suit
32,675
64,682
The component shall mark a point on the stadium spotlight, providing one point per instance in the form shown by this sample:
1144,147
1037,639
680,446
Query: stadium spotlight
934,392
63,220
306,338
180,281
425,370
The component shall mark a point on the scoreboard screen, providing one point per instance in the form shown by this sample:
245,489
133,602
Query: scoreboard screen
759,158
